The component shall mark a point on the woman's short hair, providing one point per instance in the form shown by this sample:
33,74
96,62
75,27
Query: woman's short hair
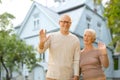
92,31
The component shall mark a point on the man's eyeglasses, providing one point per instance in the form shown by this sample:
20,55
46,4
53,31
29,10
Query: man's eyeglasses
65,22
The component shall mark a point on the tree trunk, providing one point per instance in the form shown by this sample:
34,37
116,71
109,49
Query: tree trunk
7,73
0,70
7,77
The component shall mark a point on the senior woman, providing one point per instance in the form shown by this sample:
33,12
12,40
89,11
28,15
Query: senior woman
92,59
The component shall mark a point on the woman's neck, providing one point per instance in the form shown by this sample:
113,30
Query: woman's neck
88,47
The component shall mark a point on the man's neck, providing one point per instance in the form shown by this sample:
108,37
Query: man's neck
64,33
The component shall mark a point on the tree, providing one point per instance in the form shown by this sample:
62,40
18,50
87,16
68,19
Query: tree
14,52
112,11
96,3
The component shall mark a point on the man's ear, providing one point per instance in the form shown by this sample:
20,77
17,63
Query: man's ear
59,22
93,40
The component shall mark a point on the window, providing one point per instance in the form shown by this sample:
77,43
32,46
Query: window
88,20
99,27
88,25
99,24
36,21
99,35
116,63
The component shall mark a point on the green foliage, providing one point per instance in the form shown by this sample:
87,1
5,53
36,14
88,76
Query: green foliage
117,47
115,64
97,1
112,12
14,52
5,20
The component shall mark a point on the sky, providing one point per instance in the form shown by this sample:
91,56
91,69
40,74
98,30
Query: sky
19,8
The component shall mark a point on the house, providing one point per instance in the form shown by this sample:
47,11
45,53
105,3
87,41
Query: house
38,17
84,13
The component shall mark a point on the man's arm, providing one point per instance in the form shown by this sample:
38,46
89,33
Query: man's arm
76,61
41,45
41,48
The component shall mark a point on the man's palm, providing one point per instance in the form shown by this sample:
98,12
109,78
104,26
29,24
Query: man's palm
42,35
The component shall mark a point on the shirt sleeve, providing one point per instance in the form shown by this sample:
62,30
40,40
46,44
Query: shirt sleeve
76,59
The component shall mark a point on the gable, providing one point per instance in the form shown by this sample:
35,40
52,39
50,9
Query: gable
43,15
76,17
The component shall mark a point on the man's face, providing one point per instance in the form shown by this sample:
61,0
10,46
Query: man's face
65,23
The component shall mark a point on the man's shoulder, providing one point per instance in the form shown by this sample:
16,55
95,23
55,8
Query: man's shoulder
53,34
74,36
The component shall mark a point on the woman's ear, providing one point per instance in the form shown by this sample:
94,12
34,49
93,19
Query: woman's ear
93,40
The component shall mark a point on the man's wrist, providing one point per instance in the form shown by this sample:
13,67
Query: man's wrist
41,45
76,77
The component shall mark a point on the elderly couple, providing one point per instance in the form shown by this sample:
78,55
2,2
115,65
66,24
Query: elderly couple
66,60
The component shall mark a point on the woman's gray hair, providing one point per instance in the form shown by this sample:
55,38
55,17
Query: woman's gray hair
92,31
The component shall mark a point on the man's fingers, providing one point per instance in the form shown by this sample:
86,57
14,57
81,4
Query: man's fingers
42,33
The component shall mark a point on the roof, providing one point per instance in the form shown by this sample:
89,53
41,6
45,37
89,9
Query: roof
68,5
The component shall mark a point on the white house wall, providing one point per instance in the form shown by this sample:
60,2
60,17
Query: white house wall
39,73
99,7
34,41
95,18
107,38
28,27
45,23
109,71
76,16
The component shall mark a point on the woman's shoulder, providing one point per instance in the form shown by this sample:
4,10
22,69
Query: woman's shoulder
97,51
82,50
91,51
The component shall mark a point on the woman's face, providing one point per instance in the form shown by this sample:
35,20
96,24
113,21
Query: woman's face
88,38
